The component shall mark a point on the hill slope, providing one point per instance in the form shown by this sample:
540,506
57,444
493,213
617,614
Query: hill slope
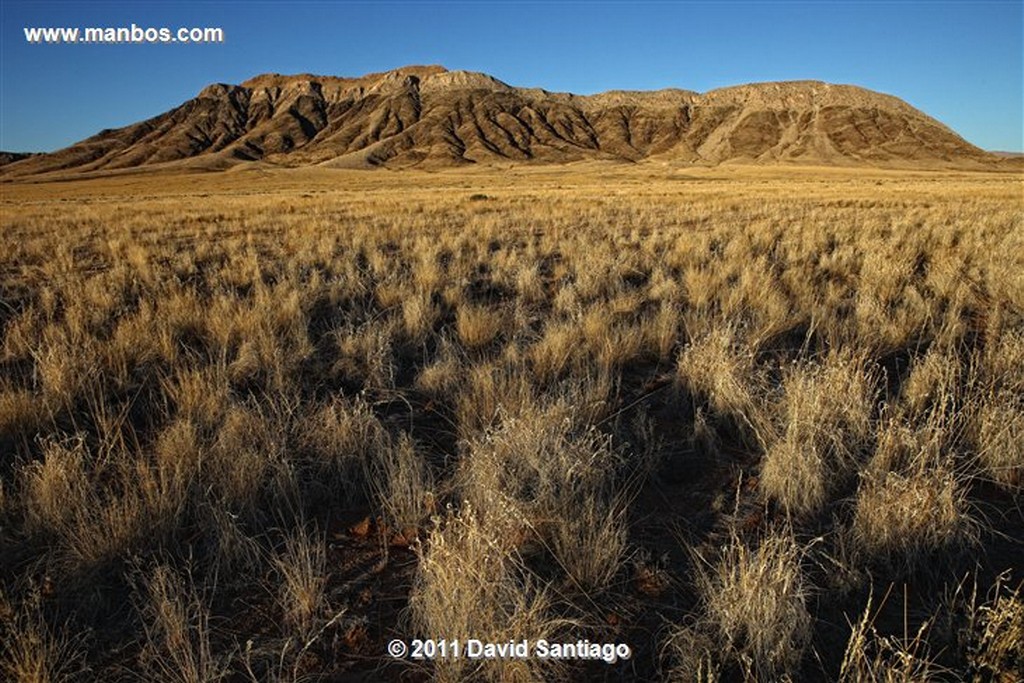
427,115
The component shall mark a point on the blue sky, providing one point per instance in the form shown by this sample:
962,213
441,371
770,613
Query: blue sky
961,62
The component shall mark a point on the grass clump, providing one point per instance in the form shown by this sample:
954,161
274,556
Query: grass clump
827,421
470,584
755,614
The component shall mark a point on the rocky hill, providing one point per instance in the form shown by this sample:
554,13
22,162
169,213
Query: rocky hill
429,116
11,157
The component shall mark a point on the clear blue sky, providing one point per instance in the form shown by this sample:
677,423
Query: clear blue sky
958,61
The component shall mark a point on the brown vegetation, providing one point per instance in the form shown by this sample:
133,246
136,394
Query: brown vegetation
755,423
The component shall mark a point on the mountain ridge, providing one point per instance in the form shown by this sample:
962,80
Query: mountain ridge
428,116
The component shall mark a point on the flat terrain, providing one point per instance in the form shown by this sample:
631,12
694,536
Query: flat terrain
753,422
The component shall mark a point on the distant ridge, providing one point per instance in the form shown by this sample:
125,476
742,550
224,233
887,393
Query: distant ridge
427,116
11,157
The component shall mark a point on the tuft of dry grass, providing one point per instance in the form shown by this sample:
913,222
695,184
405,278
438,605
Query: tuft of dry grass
342,438
20,413
1000,425
755,609
827,420
545,475
34,652
302,570
56,488
996,632
419,316
478,326
870,656
591,545
721,369
405,486
366,355
908,517
470,585
178,638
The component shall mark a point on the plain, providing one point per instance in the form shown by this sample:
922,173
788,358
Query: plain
753,422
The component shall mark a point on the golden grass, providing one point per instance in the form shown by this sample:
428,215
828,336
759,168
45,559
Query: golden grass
870,656
597,358
469,586
33,650
302,568
827,422
755,602
178,643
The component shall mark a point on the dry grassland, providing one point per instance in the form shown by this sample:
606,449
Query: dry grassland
755,423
